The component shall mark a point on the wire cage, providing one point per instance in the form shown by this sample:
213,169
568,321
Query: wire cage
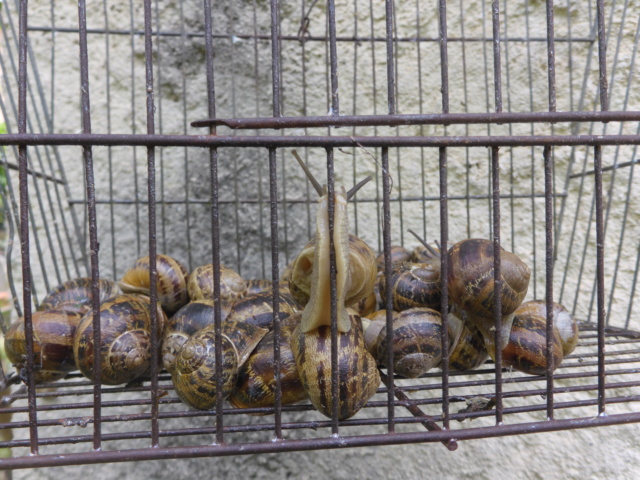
140,128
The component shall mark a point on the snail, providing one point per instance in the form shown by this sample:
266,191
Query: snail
527,347
75,295
257,309
372,325
563,321
416,341
399,255
200,284
259,286
171,284
256,383
188,320
358,376
125,339
413,285
467,344
53,332
367,305
194,375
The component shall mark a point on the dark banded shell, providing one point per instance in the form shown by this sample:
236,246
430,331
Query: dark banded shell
527,347
53,332
259,286
125,348
75,295
416,342
358,376
194,376
171,281
413,285
563,321
372,324
232,286
467,345
367,305
399,254
257,309
256,383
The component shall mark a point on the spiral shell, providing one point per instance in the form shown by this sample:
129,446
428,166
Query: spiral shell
257,309
232,286
527,347
194,376
563,322
358,376
399,255
367,305
467,345
413,285
259,286
125,348
171,284
416,342
75,295
256,383
372,325
53,332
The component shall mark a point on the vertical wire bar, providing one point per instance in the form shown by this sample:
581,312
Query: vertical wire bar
444,226
497,75
93,229
548,205
333,58
497,279
551,56
391,79
275,56
275,275
386,235
597,158
151,183
24,225
215,223
335,377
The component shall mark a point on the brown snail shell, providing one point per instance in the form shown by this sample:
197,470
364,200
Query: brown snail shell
257,309
399,254
259,286
53,332
467,344
416,342
367,305
358,376
171,284
471,286
75,295
372,325
194,376
256,383
527,347
125,348
188,320
413,285
232,286
563,321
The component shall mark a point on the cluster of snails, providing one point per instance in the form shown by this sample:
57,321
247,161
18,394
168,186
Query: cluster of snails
310,296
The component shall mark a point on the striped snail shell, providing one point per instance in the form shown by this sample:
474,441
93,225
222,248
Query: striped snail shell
399,254
75,295
527,347
467,344
259,286
416,342
413,285
358,376
372,325
232,286
256,383
171,285
53,332
563,321
471,285
367,305
185,322
125,342
257,309
194,376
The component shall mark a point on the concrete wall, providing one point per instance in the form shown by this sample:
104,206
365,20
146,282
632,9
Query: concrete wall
243,89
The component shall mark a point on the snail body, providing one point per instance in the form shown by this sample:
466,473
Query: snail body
200,284
75,295
563,322
171,281
194,375
257,309
125,348
53,332
413,285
